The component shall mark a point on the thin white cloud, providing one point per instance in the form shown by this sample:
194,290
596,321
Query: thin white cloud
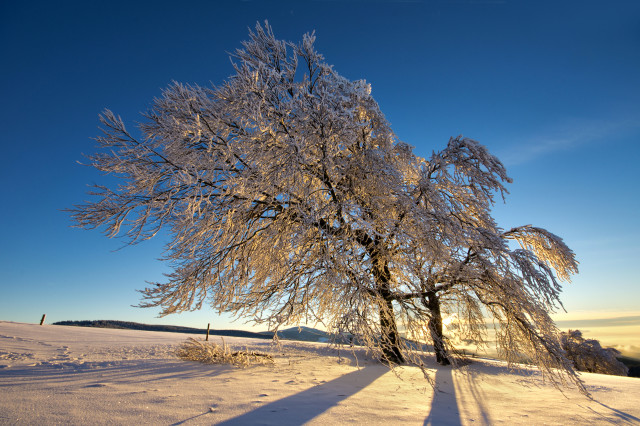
571,135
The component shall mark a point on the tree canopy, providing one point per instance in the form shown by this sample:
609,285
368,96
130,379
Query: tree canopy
288,199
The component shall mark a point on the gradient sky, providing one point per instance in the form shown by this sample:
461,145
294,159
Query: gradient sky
552,88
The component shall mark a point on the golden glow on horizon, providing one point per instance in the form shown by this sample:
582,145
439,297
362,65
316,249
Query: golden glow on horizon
619,330
616,329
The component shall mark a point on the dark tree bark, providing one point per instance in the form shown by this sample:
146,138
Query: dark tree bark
435,328
390,339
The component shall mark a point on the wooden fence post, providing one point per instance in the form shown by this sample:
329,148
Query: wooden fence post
42,320
208,325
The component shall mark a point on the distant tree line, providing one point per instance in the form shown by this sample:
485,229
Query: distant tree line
127,325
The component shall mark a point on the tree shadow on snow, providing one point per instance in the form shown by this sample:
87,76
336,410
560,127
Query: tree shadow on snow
304,406
470,394
619,417
444,406
119,371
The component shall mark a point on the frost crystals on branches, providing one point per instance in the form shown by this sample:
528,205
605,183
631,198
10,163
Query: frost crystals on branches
288,199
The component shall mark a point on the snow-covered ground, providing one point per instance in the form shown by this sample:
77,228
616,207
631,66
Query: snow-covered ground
72,375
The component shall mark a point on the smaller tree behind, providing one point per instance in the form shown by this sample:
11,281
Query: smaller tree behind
588,355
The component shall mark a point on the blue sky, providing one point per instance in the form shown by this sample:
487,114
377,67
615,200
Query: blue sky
552,88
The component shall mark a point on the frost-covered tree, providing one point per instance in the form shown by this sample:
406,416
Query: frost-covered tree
588,355
455,261
288,199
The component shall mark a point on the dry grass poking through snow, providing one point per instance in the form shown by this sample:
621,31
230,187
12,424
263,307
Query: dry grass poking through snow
212,353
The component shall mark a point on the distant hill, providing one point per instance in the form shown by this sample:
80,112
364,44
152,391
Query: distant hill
302,333
632,363
306,334
166,328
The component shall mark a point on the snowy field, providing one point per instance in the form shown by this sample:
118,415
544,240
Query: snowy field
72,375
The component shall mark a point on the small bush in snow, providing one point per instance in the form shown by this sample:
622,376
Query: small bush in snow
587,355
211,353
